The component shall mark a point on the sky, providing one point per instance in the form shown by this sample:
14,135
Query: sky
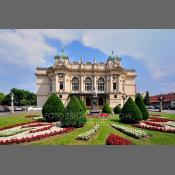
151,52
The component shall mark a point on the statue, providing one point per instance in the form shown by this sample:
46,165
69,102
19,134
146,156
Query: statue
94,92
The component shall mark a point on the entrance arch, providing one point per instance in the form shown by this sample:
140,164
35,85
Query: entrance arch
88,101
100,101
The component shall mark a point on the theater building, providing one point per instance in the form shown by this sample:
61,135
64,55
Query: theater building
111,82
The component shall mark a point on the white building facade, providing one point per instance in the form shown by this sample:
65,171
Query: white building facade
112,83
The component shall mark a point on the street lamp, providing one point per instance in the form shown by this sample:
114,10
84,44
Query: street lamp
160,102
12,104
124,97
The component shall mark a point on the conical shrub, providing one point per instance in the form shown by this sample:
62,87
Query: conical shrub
130,113
82,104
117,109
53,109
74,114
106,109
140,103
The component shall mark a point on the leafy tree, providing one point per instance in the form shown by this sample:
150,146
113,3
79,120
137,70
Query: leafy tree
74,114
130,113
146,99
53,108
139,102
19,96
25,102
106,109
2,97
117,109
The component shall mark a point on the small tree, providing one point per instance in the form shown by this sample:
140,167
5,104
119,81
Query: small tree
139,102
117,109
130,113
82,104
106,109
74,114
53,109
146,99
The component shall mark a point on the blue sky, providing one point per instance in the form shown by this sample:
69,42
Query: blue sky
149,51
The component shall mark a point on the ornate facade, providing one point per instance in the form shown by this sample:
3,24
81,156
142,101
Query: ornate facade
111,82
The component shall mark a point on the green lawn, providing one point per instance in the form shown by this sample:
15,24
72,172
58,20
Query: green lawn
99,138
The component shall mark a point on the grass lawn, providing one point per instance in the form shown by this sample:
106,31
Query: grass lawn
99,138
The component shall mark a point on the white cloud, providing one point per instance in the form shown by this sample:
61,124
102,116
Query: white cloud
155,48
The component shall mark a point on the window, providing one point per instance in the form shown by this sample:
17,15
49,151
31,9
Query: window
115,96
61,85
100,101
88,101
75,84
60,96
114,86
88,84
100,84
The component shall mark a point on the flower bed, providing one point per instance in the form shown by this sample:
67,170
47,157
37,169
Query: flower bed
85,136
158,119
101,115
153,124
18,124
138,134
170,123
117,140
155,128
11,132
33,138
155,115
35,125
41,129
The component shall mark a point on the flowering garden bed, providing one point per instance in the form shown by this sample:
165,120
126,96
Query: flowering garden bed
34,137
155,128
138,134
26,132
158,119
101,115
154,124
85,136
117,140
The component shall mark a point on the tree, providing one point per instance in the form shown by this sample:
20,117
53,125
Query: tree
130,113
74,114
146,99
53,109
117,109
25,102
82,104
106,109
19,96
139,102
2,97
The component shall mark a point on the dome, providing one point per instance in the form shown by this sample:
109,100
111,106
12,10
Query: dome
62,55
112,57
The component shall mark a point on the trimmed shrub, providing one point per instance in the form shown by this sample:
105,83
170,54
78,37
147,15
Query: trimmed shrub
117,109
130,113
106,109
74,114
82,104
53,109
139,102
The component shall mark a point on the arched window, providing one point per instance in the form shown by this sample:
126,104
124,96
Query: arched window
101,84
75,84
88,84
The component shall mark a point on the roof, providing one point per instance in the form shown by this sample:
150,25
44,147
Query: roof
166,97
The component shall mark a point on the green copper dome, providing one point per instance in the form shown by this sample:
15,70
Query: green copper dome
113,57
62,55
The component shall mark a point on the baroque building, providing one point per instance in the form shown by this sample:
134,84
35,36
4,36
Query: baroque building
110,81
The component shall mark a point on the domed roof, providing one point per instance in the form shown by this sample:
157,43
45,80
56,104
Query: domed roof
112,57
62,55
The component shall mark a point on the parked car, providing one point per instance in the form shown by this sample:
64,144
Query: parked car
17,108
34,108
150,107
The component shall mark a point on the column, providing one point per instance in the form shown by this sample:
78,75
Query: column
120,84
95,82
111,88
81,83
56,83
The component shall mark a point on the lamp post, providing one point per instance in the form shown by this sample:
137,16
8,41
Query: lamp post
124,97
160,103
12,104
